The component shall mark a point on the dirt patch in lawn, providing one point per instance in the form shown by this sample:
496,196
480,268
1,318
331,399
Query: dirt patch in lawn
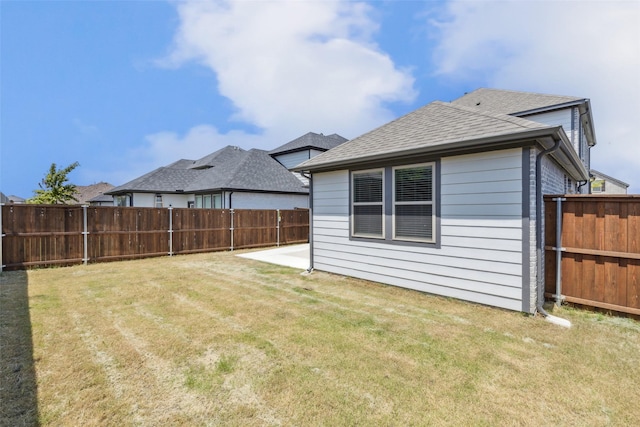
214,339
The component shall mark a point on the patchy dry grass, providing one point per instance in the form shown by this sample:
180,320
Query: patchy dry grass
214,339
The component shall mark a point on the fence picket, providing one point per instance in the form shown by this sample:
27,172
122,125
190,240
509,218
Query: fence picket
44,235
600,262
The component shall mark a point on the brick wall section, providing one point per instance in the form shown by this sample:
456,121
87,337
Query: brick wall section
553,182
532,231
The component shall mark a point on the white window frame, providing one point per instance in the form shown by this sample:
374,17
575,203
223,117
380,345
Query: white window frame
431,203
158,200
354,204
215,201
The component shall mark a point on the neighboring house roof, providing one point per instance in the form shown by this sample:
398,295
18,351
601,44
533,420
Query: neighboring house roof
101,198
16,199
310,141
230,168
513,102
10,199
87,192
443,127
228,154
163,180
609,178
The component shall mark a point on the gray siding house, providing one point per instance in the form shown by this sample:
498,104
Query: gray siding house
448,199
229,178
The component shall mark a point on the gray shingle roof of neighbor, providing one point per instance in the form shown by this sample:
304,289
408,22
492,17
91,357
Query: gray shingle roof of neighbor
87,193
101,198
229,168
310,140
163,180
512,102
431,127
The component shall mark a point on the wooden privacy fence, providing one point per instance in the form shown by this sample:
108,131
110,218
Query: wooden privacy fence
599,248
42,235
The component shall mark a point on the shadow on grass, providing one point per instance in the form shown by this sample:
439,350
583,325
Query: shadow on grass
18,389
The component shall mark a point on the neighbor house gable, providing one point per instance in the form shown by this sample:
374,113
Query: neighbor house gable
304,148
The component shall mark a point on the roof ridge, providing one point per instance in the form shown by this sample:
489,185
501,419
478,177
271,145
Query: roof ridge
246,154
522,92
497,116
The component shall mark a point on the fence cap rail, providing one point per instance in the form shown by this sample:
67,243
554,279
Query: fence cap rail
592,197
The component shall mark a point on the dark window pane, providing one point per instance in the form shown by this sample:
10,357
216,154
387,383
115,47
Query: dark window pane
367,220
413,184
414,221
367,187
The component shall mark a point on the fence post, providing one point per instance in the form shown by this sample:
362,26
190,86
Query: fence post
85,236
278,228
231,212
170,230
558,248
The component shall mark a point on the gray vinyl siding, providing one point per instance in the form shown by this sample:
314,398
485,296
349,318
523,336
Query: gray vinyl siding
290,160
562,117
569,119
480,256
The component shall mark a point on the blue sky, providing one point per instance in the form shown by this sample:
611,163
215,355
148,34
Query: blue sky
124,87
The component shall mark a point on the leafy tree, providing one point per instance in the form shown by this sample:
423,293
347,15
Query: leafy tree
54,188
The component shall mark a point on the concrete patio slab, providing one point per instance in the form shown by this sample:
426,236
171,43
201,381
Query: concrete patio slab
295,256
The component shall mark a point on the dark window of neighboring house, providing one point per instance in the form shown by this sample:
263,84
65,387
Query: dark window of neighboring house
158,200
368,203
413,208
122,200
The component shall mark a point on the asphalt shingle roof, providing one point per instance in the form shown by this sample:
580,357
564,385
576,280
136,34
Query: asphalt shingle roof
229,168
87,193
310,140
438,123
511,102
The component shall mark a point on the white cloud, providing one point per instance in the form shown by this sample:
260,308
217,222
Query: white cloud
589,49
291,66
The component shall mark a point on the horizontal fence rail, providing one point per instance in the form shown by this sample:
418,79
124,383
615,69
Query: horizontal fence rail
600,250
45,235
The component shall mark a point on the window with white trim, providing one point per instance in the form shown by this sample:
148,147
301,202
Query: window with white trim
208,201
367,207
413,208
122,200
158,200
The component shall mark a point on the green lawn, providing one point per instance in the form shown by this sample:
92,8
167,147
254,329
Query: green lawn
214,339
